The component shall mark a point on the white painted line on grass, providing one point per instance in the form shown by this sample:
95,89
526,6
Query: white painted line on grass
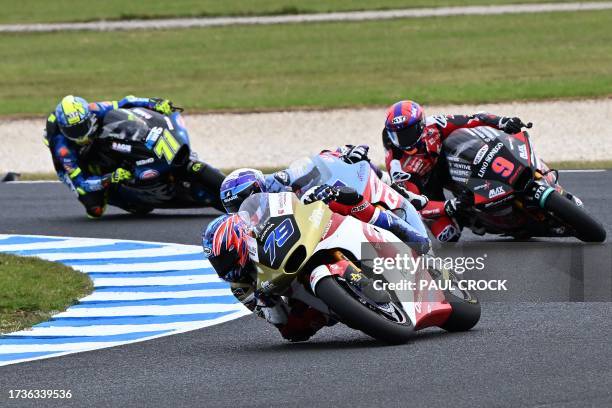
182,23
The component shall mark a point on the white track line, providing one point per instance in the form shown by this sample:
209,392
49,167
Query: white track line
106,296
304,18
69,243
583,171
157,281
145,267
170,310
108,330
127,254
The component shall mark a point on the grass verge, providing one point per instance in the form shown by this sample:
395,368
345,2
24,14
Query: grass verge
31,290
473,59
36,11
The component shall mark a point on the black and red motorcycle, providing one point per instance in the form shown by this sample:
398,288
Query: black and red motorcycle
512,191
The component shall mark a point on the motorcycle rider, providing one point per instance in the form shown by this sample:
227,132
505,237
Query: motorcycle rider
413,145
225,246
241,183
72,126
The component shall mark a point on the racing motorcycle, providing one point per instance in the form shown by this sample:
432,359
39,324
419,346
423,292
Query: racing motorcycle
514,193
331,170
156,149
307,252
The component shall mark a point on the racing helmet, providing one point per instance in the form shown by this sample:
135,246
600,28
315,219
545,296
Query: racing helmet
239,185
225,246
75,119
405,123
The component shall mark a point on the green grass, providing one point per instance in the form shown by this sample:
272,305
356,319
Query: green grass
434,60
31,290
29,11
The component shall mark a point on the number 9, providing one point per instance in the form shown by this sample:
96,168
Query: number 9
502,166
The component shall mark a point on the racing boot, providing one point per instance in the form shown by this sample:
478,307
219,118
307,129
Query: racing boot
404,231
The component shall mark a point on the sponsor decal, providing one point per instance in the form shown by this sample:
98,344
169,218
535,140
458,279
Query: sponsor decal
488,159
523,151
121,147
267,285
149,174
153,135
360,207
207,251
398,119
252,248
461,166
460,172
280,204
316,217
169,123
496,192
459,179
485,137
539,192
485,186
146,161
454,159
440,120
326,229
501,201
282,177
143,113
480,154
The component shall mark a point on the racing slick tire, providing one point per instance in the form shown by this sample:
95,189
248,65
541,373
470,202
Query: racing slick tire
586,228
465,314
358,316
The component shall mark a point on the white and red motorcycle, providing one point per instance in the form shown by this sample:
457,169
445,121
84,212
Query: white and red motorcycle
310,253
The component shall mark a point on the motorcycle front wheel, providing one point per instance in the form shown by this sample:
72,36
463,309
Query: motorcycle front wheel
358,315
586,228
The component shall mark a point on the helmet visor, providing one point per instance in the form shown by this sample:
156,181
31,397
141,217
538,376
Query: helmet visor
233,197
79,132
225,262
406,138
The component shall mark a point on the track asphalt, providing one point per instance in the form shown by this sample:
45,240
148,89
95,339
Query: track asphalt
544,354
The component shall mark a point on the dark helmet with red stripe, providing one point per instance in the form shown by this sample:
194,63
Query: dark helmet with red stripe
225,246
405,123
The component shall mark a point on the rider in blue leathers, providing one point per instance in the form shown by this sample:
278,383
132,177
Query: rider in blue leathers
241,183
71,127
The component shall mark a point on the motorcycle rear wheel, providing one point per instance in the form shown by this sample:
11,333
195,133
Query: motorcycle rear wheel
360,317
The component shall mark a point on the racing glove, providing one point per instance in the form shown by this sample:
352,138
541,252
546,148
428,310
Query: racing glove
120,175
455,205
418,201
397,174
355,154
510,125
324,192
163,106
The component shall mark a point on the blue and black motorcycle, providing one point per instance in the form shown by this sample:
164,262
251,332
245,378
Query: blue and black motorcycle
156,149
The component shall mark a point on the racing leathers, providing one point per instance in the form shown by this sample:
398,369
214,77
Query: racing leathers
417,169
66,154
346,201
